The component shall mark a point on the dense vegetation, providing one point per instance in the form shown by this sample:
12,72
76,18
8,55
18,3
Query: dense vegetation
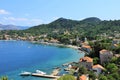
67,77
66,29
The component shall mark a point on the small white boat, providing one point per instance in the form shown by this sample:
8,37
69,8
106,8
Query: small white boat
25,73
40,72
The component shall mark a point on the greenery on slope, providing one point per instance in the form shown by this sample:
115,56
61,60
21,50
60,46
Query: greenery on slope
65,29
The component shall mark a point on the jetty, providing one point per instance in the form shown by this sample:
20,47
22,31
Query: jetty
53,75
44,76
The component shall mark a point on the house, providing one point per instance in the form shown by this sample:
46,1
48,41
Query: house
54,41
105,56
86,62
114,46
86,48
117,55
97,69
116,41
84,77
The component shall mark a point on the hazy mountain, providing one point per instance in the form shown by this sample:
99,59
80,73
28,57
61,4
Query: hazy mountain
12,27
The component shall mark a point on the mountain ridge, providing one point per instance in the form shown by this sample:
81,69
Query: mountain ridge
12,27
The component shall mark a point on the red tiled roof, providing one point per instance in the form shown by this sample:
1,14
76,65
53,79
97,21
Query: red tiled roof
103,51
86,59
98,66
83,77
86,46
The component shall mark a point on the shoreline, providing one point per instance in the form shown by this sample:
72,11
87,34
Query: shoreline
52,44
57,44
49,43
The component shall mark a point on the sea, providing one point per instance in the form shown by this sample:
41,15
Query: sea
18,56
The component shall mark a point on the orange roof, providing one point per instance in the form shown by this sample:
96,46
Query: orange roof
83,77
115,45
86,59
98,66
103,51
86,46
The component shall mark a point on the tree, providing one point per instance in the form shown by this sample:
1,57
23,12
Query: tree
102,77
4,78
67,77
82,70
95,60
114,60
116,76
110,77
92,75
111,67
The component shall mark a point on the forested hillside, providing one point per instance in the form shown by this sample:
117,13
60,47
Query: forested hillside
70,29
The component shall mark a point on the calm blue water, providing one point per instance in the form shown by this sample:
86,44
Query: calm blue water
17,56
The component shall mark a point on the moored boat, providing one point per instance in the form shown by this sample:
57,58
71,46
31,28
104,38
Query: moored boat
25,73
40,72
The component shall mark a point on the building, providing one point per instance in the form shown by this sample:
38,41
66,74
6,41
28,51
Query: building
97,69
84,77
105,56
86,62
86,48
116,41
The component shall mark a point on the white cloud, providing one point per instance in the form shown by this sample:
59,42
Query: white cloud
2,11
15,19
21,21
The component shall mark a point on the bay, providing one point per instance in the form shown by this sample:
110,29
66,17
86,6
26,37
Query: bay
17,56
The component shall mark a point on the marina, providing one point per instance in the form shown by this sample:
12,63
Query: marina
39,73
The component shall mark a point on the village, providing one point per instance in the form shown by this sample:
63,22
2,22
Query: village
93,66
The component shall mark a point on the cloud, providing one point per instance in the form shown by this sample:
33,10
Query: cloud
15,19
21,21
2,11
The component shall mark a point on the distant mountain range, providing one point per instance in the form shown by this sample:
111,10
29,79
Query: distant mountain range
12,27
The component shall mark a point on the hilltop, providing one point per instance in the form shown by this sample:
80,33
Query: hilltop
65,30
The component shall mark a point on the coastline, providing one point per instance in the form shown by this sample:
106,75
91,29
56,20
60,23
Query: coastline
56,44
53,44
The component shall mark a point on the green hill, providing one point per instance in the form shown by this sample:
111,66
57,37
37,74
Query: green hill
66,28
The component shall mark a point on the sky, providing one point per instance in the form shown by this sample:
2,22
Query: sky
36,12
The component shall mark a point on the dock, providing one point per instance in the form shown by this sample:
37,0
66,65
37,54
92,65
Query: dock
53,75
45,76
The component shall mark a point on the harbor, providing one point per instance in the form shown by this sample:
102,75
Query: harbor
38,73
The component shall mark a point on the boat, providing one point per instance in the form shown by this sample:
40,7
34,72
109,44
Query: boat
40,72
25,73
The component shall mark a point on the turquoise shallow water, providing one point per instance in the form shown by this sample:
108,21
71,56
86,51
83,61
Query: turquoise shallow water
17,56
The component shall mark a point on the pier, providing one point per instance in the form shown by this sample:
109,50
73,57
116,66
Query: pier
53,75
44,76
